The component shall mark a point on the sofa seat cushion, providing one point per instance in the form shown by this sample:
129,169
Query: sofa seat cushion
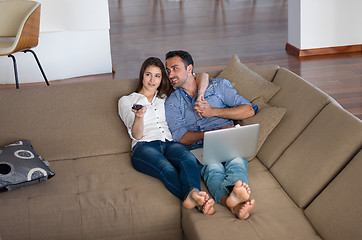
92,198
275,216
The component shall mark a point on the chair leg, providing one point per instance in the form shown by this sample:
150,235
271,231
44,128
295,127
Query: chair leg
39,65
15,71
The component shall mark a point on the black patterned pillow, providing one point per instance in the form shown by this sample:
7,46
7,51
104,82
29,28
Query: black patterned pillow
20,166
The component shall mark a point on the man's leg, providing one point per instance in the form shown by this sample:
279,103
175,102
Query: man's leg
214,176
237,176
236,169
236,182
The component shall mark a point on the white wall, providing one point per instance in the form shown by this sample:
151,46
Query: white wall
324,23
74,41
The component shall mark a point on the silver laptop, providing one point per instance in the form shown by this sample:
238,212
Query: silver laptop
226,144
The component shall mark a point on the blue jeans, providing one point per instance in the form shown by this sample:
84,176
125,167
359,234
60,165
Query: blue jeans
219,176
169,161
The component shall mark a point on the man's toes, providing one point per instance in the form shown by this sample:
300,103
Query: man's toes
238,183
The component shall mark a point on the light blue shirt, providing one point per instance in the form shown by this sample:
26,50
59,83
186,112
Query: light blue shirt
181,116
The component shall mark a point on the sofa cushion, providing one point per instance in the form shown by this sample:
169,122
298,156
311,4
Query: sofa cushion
318,154
246,82
336,213
302,102
79,120
268,118
265,71
275,216
92,198
112,199
21,166
14,217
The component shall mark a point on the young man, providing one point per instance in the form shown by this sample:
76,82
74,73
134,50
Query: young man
189,118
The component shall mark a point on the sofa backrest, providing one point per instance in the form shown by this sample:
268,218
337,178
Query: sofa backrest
336,212
302,102
319,153
313,142
67,121
315,155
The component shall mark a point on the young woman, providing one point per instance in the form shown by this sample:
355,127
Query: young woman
154,151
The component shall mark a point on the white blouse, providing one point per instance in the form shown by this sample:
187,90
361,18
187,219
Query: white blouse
155,125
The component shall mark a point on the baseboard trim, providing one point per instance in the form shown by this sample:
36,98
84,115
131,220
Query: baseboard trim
321,51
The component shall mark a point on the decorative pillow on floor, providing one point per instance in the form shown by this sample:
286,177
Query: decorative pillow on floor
268,118
246,82
20,166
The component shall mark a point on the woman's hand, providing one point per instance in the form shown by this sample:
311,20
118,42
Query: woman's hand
140,112
137,127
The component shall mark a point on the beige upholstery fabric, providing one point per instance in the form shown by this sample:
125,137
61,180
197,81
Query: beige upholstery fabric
87,113
268,118
17,208
266,71
246,82
318,154
273,209
96,193
302,102
336,213
93,198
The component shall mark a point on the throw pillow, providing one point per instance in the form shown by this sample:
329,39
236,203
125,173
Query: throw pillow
20,166
268,118
246,82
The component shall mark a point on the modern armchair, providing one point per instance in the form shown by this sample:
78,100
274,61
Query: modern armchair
19,30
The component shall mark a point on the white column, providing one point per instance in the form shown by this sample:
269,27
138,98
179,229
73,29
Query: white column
324,23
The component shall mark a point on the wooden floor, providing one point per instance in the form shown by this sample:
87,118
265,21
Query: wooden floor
212,31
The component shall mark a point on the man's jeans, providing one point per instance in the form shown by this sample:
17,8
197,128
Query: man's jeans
171,162
219,176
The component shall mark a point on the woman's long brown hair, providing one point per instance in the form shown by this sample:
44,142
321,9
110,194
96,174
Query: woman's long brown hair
165,88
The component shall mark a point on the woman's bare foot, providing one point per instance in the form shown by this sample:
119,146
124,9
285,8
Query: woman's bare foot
208,207
242,210
241,192
199,199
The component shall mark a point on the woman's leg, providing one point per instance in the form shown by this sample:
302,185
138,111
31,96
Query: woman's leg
148,158
179,155
183,160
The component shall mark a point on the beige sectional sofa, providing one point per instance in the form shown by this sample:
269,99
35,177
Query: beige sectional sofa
306,177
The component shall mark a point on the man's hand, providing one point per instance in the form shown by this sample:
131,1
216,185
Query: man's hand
203,108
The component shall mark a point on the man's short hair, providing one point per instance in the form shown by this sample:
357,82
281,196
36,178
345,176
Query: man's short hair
185,56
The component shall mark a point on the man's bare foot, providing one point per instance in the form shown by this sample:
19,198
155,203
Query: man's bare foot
242,210
241,192
199,199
